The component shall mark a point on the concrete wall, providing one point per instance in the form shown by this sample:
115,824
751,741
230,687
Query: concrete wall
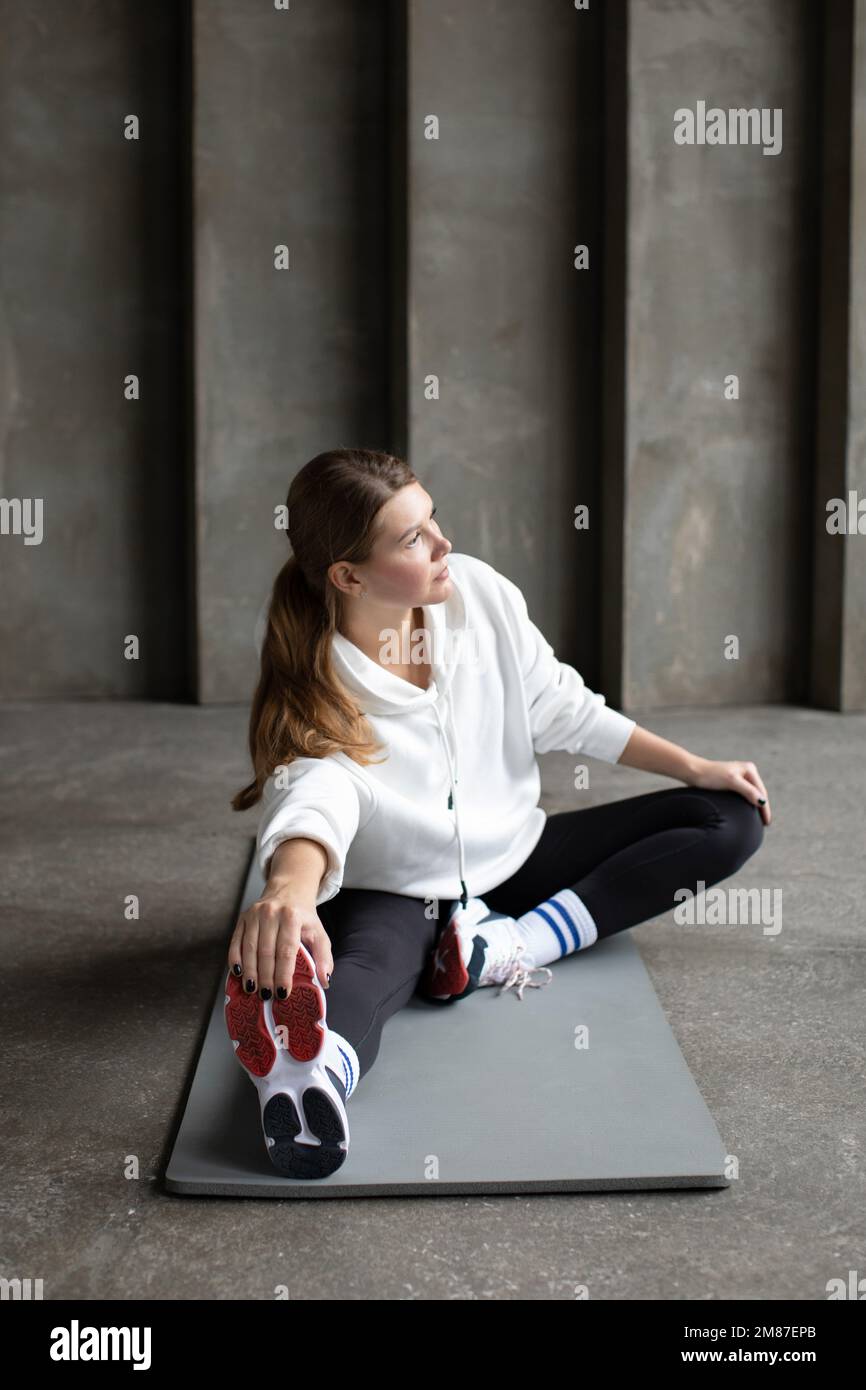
412,256
290,148
91,247
496,309
708,497
839,626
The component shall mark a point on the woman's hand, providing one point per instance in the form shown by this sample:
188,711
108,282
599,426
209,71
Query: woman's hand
266,939
733,777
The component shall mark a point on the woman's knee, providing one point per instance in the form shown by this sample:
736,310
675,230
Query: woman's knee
741,830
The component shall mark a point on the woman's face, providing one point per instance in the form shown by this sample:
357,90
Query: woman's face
409,554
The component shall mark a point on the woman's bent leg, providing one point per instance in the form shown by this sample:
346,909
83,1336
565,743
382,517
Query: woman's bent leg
626,859
379,942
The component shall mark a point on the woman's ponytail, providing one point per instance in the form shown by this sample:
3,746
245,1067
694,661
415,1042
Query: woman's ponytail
300,708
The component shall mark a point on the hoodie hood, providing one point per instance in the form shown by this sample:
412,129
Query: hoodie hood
379,691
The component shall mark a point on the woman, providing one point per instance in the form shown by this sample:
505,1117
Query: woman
403,695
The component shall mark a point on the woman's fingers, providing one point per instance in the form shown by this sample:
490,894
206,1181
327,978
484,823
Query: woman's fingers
252,945
268,917
319,948
265,944
248,953
751,773
288,941
236,947
755,785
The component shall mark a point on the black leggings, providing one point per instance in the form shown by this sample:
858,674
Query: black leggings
625,859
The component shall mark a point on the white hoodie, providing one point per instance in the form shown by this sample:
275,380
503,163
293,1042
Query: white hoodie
497,697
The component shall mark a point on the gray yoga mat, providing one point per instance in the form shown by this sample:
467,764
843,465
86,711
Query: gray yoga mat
488,1095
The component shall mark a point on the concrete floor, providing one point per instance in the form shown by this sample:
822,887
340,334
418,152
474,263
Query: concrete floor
103,1019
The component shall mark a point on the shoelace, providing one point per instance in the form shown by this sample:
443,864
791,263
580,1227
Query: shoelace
510,971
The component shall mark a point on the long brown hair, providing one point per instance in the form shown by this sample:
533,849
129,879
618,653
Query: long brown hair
300,708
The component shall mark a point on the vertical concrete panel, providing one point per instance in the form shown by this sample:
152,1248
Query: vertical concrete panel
839,632
854,661
614,347
720,254
290,147
495,308
90,290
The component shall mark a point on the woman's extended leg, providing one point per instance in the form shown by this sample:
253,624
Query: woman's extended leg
304,1073
380,942
626,859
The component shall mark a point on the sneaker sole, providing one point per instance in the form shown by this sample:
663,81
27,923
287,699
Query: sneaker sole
302,1100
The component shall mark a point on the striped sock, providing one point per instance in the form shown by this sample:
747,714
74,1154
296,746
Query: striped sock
557,927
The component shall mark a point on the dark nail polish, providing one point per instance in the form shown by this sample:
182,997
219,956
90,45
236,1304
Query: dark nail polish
250,986
762,801
265,992
281,992
236,969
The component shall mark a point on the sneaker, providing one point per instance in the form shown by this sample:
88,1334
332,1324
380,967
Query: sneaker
303,1074
477,948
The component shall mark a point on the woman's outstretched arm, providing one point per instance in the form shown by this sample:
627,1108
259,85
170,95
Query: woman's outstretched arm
650,753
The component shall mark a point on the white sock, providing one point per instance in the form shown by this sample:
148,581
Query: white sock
350,1067
556,927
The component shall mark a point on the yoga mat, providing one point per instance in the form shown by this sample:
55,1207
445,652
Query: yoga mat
579,1087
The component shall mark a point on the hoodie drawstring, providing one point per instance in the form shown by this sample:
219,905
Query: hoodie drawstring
452,773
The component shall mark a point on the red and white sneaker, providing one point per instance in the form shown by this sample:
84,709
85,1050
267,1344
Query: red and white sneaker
304,1071
478,947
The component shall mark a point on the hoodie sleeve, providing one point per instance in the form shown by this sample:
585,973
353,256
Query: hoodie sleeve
315,800
564,714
